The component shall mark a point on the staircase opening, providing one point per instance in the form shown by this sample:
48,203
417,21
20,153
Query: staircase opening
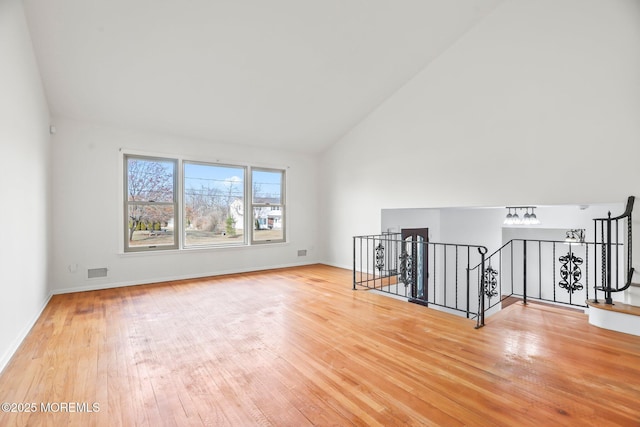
532,263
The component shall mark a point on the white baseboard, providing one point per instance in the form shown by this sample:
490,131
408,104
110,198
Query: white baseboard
343,266
145,281
13,347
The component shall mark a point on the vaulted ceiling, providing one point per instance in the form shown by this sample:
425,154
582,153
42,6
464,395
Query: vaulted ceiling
288,74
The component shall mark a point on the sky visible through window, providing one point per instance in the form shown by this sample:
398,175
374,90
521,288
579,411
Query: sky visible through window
213,203
267,184
223,178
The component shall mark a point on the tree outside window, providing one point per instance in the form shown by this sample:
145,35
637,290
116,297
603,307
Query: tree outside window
151,203
219,205
213,204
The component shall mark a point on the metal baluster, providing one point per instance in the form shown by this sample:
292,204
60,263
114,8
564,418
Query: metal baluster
595,261
468,279
456,276
586,267
554,271
435,271
608,298
481,288
524,272
512,283
539,269
571,267
444,287
617,257
354,263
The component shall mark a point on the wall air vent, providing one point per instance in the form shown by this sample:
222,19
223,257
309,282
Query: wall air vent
92,273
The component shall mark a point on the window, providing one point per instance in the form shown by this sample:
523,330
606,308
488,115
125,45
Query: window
219,205
151,203
267,205
213,204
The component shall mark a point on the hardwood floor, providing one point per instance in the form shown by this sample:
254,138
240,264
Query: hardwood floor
296,347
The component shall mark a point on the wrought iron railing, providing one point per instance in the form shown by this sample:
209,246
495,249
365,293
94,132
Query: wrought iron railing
608,230
438,275
461,278
545,270
563,272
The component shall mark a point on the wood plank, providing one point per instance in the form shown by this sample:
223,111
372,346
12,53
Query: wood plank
618,307
299,347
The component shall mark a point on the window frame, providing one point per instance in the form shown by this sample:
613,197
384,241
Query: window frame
127,203
183,222
282,205
179,205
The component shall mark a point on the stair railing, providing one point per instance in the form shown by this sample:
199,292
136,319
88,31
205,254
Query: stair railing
609,246
452,276
426,273
552,271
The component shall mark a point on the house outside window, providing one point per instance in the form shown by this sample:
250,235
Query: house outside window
267,205
213,204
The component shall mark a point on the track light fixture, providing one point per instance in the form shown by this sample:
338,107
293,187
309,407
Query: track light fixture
526,219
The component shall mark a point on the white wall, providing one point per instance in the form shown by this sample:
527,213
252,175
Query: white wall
485,226
24,189
397,219
472,226
87,209
537,104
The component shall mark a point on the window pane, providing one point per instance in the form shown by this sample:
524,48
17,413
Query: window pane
151,225
150,180
213,204
267,224
267,187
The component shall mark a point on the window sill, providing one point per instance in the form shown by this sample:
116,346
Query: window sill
205,249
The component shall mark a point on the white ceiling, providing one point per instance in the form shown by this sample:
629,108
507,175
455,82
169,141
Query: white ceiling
288,74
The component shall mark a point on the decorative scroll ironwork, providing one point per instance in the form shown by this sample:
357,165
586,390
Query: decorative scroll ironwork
406,268
490,282
570,273
380,257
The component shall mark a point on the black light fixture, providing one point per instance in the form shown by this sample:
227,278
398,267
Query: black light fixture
526,219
